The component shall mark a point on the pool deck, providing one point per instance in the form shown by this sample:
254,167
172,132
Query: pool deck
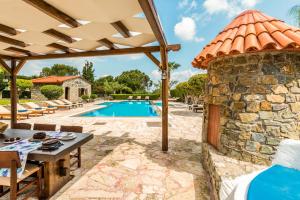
125,161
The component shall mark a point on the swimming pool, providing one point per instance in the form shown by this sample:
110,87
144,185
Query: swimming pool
123,109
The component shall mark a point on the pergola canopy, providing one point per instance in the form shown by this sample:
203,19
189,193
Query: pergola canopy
35,28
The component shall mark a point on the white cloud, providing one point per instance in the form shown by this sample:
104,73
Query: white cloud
187,5
231,7
199,39
183,75
156,75
183,3
185,29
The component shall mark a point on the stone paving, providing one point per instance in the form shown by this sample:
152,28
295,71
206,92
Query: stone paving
125,161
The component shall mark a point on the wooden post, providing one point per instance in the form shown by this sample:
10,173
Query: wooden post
13,93
165,95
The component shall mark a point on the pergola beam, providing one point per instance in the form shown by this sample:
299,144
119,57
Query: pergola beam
153,59
19,66
8,30
107,43
5,66
121,28
134,50
59,35
18,50
59,47
152,17
12,41
53,12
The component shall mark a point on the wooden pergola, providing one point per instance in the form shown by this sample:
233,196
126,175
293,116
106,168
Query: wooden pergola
52,29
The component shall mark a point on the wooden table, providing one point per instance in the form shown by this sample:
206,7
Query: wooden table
56,163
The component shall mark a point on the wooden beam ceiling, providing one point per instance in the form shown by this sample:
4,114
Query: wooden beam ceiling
19,51
12,41
121,28
59,35
107,43
53,12
60,47
152,17
134,50
8,30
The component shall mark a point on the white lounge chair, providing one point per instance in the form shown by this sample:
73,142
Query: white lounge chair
147,98
130,98
4,112
51,104
59,102
138,98
35,106
32,111
77,104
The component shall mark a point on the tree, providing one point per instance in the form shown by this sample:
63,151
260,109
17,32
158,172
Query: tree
135,79
88,72
197,83
295,13
59,70
52,91
181,90
98,86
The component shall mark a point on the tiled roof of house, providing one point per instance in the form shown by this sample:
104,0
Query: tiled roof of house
251,31
53,79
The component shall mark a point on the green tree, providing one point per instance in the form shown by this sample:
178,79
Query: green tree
98,86
88,72
295,13
52,91
196,84
59,70
135,79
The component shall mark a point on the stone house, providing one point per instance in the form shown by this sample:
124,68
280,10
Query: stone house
74,87
252,98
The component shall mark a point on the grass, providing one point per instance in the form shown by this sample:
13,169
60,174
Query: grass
7,101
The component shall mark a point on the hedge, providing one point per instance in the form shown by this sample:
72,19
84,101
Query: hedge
125,96
52,91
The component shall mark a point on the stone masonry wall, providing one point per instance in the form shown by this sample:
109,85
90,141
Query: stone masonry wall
259,95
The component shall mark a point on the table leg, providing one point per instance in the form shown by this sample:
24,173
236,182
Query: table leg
56,175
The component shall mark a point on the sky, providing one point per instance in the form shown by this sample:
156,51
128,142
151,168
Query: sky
191,23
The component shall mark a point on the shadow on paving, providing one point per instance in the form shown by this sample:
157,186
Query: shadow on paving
183,156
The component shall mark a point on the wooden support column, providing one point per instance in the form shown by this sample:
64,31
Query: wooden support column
165,95
13,93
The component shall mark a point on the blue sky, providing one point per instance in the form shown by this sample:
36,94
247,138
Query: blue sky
191,23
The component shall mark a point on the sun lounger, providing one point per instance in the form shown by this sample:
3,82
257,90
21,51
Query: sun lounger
138,98
196,109
147,98
34,112
77,104
4,112
52,104
130,97
59,102
191,107
35,106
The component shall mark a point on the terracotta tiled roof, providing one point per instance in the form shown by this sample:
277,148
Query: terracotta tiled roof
251,31
53,79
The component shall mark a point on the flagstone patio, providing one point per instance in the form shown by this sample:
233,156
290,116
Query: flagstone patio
125,161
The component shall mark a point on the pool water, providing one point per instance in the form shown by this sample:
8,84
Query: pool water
123,109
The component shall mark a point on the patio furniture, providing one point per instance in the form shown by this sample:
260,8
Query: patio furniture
77,104
147,98
52,104
59,102
34,112
4,112
138,98
25,126
77,155
30,177
56,171
130,98
35,106
44,127
199,108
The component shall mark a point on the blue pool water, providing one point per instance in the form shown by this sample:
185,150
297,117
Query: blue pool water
123,109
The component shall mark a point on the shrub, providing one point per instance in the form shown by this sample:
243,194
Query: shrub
52,91
93,96
85,97
125,96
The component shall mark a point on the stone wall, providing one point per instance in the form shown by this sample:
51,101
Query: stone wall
259,96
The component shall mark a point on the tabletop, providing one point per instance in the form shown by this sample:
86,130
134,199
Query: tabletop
40,155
